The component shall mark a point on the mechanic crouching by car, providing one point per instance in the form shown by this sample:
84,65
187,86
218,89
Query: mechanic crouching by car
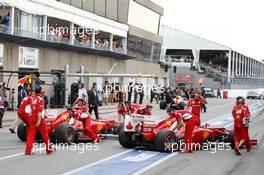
37,123
80,112
241,121
194,105
145,110
184,116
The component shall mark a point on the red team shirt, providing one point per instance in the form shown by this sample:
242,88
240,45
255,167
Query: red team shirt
196,105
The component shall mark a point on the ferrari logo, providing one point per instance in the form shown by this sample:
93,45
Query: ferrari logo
205,135
99,127
168,123
65,117
238,116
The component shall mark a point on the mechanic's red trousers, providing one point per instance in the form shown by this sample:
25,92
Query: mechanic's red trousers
247,141
190,124
87,128
32,130
197,120
26,119
240,133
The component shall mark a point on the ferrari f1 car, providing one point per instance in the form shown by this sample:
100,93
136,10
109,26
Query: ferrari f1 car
64,129
142,131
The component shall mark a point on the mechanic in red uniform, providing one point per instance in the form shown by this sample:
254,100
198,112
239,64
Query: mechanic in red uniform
144,111
247,141
184,116
37,123
240,115
80,112
195,105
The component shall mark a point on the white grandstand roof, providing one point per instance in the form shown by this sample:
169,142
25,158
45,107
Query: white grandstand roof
175,39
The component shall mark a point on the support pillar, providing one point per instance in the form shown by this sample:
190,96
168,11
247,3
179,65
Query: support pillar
67,70
196,56
229,65
236,68
72,37
111,38
45,26
93,39
82,72
233,64
12,20
124,44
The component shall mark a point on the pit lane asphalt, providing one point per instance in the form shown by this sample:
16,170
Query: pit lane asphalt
200,162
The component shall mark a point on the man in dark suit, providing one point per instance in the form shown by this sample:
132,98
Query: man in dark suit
93,100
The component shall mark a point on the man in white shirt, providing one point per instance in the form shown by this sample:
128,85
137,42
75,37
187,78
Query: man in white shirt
82,93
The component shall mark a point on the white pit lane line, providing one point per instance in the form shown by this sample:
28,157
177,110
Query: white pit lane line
19,154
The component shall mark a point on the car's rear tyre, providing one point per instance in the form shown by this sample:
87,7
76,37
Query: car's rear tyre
120,126
164,141
230,139
125,138
163,104
22,132
64,133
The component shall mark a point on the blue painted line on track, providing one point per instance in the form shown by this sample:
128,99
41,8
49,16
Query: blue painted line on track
125,164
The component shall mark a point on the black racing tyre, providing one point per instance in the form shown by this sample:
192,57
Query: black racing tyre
64,133
164,140
22,132
120,126
163,104
230,139
125,138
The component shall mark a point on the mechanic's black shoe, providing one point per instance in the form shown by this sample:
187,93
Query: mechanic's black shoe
237,152
50,151
12,131
98,140
1,126
29,153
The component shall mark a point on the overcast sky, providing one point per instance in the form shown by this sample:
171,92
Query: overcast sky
238,24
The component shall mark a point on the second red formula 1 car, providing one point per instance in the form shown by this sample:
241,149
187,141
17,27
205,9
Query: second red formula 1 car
64,129
142,131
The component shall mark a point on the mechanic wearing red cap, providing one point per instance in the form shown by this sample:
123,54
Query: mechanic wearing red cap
184,116
37,123
80,112
241,120
195,105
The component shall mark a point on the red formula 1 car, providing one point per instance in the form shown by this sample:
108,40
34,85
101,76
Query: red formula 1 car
64,129
142,131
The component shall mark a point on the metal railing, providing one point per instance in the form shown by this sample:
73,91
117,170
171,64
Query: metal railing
54,39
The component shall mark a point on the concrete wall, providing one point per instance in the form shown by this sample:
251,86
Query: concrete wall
51,59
